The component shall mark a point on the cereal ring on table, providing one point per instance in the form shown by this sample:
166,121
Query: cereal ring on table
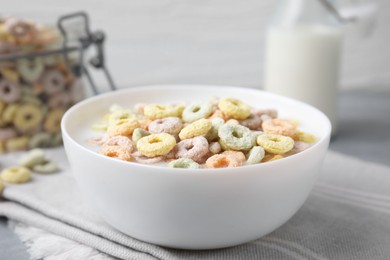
41,139
9,113
255,155
212,135
123,127
117,152
120,115
215,148
61,99
253,122
304,137
32,158
52,122
22,32
154,111
198,128
17,144
138,133
184,163
218,114
56,139
222,161
272,113
138,157
236,155
234,108
236,137
7,133
53,81
119,140
194,148
46,167
279,127
30,69
9,91
156,144
275,144
16,174
27,118
169,125
197,110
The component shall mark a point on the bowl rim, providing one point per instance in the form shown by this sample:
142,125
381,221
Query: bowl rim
168,170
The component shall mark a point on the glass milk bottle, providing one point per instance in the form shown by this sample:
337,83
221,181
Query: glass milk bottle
303,54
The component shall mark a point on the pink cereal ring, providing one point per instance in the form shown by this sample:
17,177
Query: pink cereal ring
9,91
121,141
7,133
169,125
53,81
138,157
253,122
279,127
222,161
194,148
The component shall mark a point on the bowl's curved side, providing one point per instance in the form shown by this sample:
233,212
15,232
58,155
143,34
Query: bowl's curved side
194,209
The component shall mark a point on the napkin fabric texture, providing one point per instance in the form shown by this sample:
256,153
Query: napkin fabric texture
347,216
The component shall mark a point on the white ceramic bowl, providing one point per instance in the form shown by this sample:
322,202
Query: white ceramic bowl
192,208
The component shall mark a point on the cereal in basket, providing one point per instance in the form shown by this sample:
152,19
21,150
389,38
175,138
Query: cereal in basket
215,133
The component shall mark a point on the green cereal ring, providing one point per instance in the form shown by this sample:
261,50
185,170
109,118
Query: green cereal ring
17,143
212,135
47,167
41,139
198,128
32,158
275,144
184,163
255,155
197,110
138,134
9,113
119,115
234,108
27,118
154,111
156,144
16,174
56,139
236,137
30,69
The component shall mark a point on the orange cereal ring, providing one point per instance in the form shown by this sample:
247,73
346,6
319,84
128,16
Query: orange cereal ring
279,127
123,127
222,161
118,152
52,122
218,113
236,155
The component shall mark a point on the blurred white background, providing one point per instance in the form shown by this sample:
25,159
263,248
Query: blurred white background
204,41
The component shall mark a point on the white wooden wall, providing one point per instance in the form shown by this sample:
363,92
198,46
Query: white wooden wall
202,41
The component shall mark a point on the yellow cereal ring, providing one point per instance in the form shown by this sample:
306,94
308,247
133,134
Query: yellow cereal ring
100,126
154,111
279,127
275,144
156,144
16,174
304,137
17,143
123,127
9,113
198,128
28,117
119,115
10,74
272,157
234,108
52,122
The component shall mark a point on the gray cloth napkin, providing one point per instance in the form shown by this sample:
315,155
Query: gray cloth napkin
347,216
